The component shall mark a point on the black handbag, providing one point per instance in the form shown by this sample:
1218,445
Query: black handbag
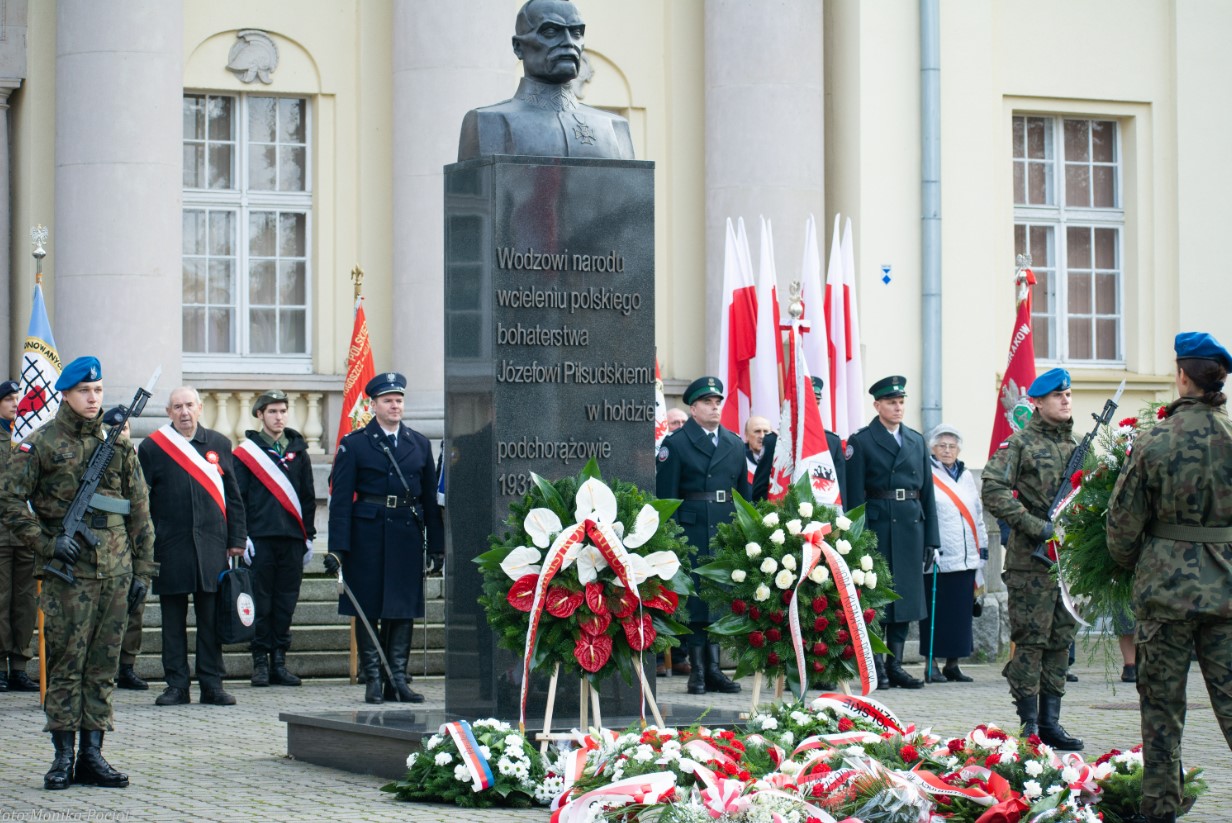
237,613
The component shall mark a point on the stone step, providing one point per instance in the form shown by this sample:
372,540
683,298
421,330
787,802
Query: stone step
332,664
304,638
307,613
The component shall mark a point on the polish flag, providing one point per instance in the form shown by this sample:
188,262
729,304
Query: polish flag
767,366
836,330
660,427
815,342
738,330
855,368
1013,406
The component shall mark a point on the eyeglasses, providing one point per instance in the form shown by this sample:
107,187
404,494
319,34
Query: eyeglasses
946,446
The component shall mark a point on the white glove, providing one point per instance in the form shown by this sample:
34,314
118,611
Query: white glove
307,553
250,551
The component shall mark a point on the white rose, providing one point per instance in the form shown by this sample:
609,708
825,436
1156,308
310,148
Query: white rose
820,574
771,520
769,566
806,509
842,523
752,550
777,537
842,546
870,580
738,575
1033,768
1031,789
762,594
444,759
857,577
789,562
794,526
784,579
866,563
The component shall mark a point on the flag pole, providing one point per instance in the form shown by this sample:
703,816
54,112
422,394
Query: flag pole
357,277
38,236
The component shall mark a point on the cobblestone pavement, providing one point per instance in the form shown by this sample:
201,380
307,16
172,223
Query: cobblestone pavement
213,763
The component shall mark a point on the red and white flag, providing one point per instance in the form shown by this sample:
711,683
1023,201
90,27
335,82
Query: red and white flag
738,330
836,336
851,315
355,409
1013,405
660,408
767,366
815,342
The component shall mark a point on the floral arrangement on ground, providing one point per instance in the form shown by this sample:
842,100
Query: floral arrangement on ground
836,758
593,595
774,553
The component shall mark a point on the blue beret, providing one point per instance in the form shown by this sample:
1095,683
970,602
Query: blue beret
83,369
112,416
1198,345
386,383
9,387
1048,382
893,386
703,387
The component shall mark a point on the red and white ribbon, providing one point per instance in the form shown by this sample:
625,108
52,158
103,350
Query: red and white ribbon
855,616
933,785
649,789
274,479
862,707
208,474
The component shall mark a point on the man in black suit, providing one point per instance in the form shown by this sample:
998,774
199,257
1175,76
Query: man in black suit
888,469
701,464
761,478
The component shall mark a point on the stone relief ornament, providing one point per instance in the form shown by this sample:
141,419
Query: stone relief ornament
254,56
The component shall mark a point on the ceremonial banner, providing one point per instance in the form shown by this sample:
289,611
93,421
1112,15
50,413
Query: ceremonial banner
40,368
854,370
738,329
1013,406
660,408
766,368
815,343
836,336
355,412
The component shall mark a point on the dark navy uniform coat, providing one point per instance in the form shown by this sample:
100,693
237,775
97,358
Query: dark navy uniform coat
688,463
904,528
761,478
382,548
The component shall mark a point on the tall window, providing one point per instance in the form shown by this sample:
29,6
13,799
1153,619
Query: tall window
1069,216
247,206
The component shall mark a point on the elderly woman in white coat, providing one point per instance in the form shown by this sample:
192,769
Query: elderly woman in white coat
964,545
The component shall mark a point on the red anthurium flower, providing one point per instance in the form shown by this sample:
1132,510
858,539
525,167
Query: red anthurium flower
665,601
592,651
821,624
842,636
755,612
522,593
561,602
595,601
772,659
776,617
639,641
774,635
820,604
739,607
820,649
757,639
596,623
625,606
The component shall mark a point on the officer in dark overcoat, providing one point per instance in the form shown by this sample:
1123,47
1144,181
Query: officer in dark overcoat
889,473
701,463
382,510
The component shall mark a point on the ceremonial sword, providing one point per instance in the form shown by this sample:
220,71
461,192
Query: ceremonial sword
363,618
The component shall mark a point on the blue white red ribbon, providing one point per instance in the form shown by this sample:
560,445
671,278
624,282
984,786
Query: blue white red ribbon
472,758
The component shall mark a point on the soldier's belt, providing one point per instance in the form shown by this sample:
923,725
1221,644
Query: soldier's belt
102,521
893,494
719,496
113,505
1191,534
389,501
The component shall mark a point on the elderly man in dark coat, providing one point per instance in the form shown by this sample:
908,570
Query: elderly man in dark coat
888,469
701,463
383,518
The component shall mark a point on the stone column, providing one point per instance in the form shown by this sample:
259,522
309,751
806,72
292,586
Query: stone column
437,79
116,238
7,363
764,134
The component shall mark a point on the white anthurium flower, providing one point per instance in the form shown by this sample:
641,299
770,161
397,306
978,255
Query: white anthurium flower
590,561
637,569
619,529
644,527
663,565
542,525
521,561
596,502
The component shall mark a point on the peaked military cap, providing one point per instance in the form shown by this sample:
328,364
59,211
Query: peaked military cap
112,416
1048,382
893,386
267,397
1198,345
9,387
703,387
819,385
82,370
386,383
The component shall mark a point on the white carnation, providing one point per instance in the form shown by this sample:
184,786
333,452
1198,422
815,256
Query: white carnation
842,546
842,523
769,566
1031,789
444,759
513,741
485,751
1069,774
771,520
794,526
1056,788
762,594
769,723
866,563
784,579
870,580
820,574
643,753
806,509
433,741
789,562
461,773
738,575
857,577
411,758
752,550
1033,768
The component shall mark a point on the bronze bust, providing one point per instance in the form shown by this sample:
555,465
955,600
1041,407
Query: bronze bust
544,117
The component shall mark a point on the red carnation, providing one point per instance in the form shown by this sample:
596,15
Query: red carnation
1161,412
772,659
774,635
595,624
1129,421
848,652
592,651
739,607
818,666
1075,479
787,594
595,601
842,636
757,639
821,624
522,593
908,752
561,602
755,612
820,649
776,617
845,724
624,606
639,633
869,614
992,760
665,601
996,734
820,604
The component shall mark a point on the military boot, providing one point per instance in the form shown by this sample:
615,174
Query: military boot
279,674
370,664
716,681
1050,729
697,670
399,654
92,769
894,669
60,775
883,679
260,670
19,681
127,679
1028,714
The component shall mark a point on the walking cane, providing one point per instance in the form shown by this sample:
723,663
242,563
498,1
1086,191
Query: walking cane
932,623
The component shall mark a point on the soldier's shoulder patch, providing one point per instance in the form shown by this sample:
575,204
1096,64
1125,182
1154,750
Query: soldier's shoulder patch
342,447
25,447
849,451
663,453
1005,444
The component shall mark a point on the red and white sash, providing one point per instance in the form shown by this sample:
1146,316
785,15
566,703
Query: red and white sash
208,474
272,478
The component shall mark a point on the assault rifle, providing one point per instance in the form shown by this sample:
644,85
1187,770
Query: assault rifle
73,524
1046,552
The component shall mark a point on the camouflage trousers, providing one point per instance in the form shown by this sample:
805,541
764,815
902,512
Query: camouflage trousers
84,625
131,647
1041,630
1163,669
17,611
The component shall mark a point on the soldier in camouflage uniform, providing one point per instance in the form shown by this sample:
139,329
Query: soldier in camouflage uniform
1020,481
84,622
1170,519
17,609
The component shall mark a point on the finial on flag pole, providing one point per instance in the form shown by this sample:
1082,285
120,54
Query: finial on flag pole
38,236
357,277
795,304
